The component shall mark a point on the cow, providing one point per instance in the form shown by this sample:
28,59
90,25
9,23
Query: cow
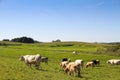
64,59
75,52
96,62
72,68
64,64
44,59
114,61
79,62
89,64
31,59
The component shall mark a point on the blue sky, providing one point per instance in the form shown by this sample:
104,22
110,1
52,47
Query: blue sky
67,20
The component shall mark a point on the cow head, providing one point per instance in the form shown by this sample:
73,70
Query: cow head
21,58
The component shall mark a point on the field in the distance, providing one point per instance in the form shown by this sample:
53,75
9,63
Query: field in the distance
13,69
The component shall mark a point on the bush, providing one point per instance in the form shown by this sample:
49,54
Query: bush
58,40
23,40
111,50
5,40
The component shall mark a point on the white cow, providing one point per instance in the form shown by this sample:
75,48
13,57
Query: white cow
80,62
75,52
31,59
114,61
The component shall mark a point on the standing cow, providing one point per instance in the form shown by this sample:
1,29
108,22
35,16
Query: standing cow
73,68
79,62
44,59
31,59
96,62
89,64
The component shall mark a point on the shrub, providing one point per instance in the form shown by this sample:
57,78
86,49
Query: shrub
23,40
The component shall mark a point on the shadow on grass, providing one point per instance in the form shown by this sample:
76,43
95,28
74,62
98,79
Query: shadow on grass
42,69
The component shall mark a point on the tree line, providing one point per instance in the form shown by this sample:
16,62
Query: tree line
26,40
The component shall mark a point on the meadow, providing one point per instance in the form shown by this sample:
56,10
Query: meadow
13,69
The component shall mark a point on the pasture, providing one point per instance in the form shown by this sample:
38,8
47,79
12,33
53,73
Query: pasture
13,69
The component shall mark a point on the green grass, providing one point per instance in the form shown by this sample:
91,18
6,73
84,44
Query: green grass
13,69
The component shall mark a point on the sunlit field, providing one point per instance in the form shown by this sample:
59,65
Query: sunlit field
13,69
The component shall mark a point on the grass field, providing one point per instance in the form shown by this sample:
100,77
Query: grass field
13,69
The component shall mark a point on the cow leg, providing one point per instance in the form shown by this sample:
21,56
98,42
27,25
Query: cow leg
78,73
69,72
37,65
79,69
74,73
30,66
27,64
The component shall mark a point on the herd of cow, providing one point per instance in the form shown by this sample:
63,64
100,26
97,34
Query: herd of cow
75,67
69,67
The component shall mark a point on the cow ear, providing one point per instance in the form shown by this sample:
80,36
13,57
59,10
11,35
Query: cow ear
21,56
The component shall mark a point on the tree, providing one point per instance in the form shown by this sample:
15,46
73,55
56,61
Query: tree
58,40
5,40
23,40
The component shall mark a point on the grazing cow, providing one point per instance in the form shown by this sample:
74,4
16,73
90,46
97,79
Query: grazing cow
75,52
114,61
64,64
44,59
79,62
96,62
90,64
31,59
72,68
64,59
